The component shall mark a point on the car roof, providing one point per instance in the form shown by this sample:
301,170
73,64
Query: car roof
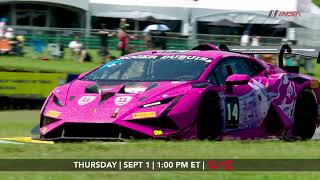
212,54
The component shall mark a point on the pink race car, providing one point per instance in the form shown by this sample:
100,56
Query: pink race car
204,93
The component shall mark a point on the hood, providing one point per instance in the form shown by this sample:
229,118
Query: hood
107,101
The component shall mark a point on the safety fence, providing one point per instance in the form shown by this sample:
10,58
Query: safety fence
90,39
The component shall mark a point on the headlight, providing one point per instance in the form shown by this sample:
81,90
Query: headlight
152,104
164,101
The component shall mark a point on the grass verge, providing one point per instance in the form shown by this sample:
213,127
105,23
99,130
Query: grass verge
19,123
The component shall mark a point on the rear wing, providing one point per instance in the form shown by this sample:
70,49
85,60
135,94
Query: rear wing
281,51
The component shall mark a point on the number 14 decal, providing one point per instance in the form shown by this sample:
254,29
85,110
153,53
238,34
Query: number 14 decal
232,114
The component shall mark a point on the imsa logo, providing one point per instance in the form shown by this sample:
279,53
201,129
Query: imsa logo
277,13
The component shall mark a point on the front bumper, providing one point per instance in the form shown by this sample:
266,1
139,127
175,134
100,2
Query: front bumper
92,131
173,123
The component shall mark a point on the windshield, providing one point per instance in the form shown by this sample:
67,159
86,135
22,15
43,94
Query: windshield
151,68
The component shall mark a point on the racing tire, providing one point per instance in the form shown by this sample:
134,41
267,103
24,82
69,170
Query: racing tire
209,117
305,116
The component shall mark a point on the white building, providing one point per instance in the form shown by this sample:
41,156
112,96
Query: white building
185,13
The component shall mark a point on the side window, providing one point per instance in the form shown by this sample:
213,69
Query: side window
221,73
212,79
256,67
235,65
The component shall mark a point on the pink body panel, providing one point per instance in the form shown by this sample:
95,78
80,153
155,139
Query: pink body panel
272,87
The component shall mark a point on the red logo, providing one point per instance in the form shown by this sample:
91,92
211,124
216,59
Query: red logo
220,165
277,13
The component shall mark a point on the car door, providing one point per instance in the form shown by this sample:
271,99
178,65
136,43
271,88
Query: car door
246,105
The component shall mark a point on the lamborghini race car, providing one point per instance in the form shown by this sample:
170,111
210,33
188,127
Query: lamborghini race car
208,92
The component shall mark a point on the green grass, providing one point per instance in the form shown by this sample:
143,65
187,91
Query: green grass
161,175
32,62
315,69
36,65
19,123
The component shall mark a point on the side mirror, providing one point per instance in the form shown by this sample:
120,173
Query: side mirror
82,75
236,79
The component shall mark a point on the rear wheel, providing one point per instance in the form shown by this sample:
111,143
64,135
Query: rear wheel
209,117
305,116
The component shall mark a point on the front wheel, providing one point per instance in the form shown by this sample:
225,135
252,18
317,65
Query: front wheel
209,117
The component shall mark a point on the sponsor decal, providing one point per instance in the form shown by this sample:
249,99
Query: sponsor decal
171,57
85,100
140,57
53,114
287,96
185,57
144,115
232,112
122,100
157,132
278,13
115,113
